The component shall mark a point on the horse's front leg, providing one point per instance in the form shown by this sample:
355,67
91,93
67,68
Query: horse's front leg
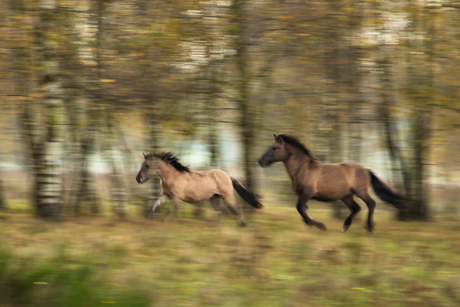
174,208
161,199
302,207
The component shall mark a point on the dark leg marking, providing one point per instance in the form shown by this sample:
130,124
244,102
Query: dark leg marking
302,208
354,207
371,206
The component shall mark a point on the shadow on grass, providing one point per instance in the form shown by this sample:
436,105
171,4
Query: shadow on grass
55,282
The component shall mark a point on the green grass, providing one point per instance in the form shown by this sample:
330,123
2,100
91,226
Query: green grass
275,261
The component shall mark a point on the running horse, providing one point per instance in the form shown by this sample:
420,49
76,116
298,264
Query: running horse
179,183
312,179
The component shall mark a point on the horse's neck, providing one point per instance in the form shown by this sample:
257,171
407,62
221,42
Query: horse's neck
167,172
296,161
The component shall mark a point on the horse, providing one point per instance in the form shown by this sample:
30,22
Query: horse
327,182
178,182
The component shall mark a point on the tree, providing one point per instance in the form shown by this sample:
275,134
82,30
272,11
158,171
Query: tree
246,117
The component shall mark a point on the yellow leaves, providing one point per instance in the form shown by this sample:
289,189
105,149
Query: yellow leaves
137,53
6,25
18,98
25,27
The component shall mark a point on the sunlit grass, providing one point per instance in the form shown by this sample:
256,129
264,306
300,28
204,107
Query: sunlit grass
185,261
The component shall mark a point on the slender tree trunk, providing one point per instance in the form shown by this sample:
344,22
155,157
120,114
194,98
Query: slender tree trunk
333,116
153,145
2,195
117,187
85,190
246,121
49,172
420,79
389,124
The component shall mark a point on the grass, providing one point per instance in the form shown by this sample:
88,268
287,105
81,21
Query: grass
275,261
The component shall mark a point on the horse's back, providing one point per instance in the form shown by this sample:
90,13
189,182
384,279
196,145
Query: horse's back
336,180
220,177
196,186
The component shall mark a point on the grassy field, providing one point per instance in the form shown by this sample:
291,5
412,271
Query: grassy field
184,261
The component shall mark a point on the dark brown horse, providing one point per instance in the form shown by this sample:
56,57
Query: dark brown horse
179,183
312,179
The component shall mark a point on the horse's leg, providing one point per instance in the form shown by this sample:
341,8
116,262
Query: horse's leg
231,204
162,198
174,208
371,205
302,207
354,207
215,203
172,212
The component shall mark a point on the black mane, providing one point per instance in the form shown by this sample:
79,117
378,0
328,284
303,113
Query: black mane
169,158
295,142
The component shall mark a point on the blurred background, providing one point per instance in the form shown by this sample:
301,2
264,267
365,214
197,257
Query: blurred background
87,86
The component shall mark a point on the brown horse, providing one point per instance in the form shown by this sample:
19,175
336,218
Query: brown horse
312,179
178,182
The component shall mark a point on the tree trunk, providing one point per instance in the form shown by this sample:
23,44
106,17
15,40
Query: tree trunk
49,179
246,120
85,190
420,77
117,187
2,195
389,124
153,145
332,105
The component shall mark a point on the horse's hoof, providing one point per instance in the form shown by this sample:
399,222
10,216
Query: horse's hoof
345,228
243,224
321,226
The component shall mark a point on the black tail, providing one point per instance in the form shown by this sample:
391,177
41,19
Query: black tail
248,197
385,193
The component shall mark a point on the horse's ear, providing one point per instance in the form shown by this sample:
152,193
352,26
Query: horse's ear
145,157
279,139
274,135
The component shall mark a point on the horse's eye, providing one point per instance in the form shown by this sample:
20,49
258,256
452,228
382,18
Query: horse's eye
274,148
147,166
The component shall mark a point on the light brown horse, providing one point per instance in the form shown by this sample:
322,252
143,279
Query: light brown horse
312,179
178,182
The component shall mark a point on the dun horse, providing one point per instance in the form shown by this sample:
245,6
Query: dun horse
178,182
312,179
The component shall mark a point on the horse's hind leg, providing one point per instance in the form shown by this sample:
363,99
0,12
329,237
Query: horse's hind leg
354,207
231,204
371,205
215,203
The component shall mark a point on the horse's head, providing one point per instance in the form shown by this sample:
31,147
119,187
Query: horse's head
276,152
149,168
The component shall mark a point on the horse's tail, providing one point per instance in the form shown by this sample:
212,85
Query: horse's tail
246,195
385,193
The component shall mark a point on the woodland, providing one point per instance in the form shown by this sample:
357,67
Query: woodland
375,82
88,86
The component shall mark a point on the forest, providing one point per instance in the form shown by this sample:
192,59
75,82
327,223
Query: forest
89,86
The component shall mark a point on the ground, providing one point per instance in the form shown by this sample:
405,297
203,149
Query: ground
275,261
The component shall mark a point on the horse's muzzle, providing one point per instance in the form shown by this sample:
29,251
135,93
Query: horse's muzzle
262,163
139,179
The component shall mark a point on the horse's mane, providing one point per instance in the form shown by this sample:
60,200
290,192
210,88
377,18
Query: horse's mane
169,158
295,142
